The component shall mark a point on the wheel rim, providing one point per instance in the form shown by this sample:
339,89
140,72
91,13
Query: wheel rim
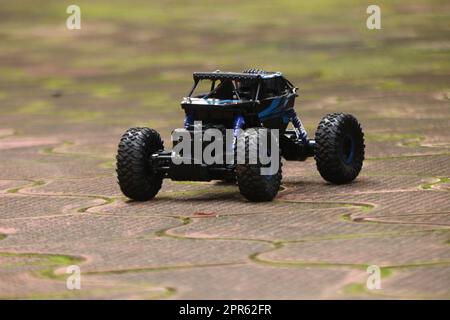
348,149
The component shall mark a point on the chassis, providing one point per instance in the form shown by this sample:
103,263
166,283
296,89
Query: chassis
244,102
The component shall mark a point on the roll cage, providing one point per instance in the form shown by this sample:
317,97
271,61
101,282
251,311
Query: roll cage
243,86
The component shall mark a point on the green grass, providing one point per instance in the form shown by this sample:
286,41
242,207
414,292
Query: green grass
132,58
33,184
430,185
355,289
385,137
48,262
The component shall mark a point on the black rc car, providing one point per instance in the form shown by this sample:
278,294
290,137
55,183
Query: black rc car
247,103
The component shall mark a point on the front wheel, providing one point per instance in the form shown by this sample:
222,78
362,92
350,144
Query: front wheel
259,182
134,173
339,148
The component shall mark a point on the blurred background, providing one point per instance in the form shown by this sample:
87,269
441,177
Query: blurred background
132,61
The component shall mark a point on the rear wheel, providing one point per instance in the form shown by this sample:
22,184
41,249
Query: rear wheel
339,149
134,173
253,184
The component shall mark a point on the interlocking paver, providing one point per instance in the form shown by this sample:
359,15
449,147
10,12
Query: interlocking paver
6,185
21,206
420,282
63,110
381,251
20,278
213,201
242,281
386,203
288,226
80,229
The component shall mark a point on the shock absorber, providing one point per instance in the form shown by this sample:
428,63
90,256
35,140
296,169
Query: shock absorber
300,131
238,125
188,120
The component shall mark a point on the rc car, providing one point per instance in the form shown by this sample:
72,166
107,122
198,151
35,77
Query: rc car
253,105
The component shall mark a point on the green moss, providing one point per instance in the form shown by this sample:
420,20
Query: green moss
68,143
390,84
169,291
420,265
386,137
405,157
14,190
366,207
346,217
74,294
355,289
107,200
277,245
62,260
37,108
13,74
158,269
427,186
430,185
105,90
38,183
163,232
386,272
80,115
33,184
108,165
44,107
186,220
316,204
52,258
50,261
49,273
57,83
303,264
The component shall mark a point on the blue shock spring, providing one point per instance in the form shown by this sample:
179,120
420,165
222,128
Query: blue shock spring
298,127
188,120
238,125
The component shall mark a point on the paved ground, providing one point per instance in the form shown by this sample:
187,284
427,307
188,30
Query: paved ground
66,98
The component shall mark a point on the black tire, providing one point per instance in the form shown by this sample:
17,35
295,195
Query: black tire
135,177
339,150
252,185
231,179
